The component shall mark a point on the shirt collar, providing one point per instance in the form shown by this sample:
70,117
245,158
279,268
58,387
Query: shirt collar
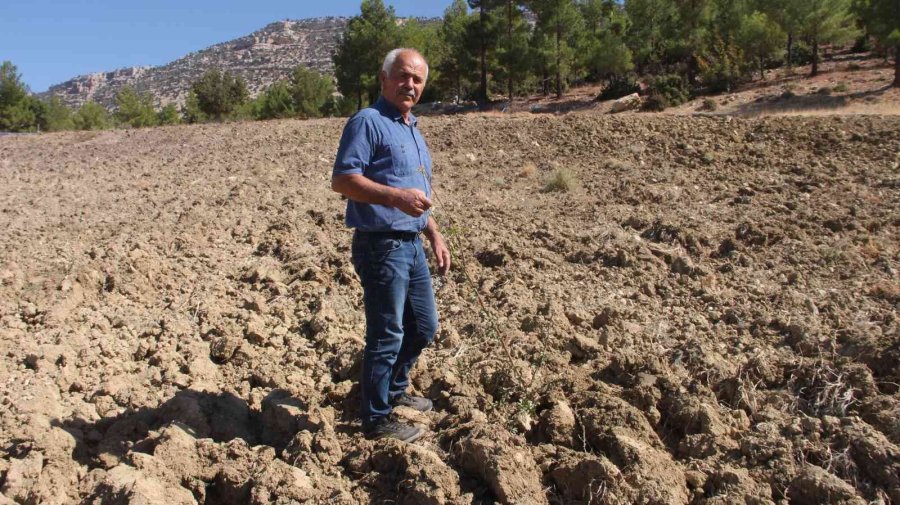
388,109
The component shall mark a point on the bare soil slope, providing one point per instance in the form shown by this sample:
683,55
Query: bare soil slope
848,84
708,316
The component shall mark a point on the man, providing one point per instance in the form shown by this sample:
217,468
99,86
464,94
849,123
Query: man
383,167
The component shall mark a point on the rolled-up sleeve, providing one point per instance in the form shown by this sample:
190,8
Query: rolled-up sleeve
356,147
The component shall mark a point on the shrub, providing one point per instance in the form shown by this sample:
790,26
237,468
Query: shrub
801,53
841,87
168,115
708,104
668,90
307,94
618,88
276,102
340,106
562,181
720,66
824,90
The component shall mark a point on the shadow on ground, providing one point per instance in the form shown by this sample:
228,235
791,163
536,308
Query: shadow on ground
219,416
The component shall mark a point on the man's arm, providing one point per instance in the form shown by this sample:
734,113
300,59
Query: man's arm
360,188
441,251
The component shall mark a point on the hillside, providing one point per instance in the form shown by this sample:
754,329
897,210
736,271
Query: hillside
261,58
708,316
847,84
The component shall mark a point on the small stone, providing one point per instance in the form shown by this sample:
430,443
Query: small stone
223,348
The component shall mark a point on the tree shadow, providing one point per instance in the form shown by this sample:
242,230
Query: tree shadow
786,102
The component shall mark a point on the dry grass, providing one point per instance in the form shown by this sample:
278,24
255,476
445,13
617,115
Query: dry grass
561,181
617,165
527,170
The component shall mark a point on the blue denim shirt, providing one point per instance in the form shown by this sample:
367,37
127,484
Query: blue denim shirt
379,145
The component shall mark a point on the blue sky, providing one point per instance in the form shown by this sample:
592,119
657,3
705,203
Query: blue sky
51,41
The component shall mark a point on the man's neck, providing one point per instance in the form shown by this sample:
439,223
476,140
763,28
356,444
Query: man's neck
403,115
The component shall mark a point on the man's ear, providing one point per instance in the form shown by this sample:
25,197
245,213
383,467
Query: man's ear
382,75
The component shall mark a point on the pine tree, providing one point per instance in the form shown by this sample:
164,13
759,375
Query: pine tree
57,116
605,52
513,50
276,102
135,109
455,57
483,35
18,111
823,22
882,20
367,39
652,32
217,95
91,116
310,91
190,111
563,25
760,39
786,13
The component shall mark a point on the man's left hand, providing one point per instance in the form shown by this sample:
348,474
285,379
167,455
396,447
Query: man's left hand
441,252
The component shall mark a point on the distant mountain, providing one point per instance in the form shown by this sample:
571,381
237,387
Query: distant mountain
260,58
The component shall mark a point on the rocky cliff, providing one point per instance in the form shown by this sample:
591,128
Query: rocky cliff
261,58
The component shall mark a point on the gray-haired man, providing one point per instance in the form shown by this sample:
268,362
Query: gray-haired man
384,167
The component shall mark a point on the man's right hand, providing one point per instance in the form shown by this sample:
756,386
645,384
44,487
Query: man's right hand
411,201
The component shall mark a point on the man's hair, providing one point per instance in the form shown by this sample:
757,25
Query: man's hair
391,58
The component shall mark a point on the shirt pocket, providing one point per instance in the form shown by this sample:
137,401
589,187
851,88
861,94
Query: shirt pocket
404,159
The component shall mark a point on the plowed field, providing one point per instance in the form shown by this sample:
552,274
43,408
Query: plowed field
708,315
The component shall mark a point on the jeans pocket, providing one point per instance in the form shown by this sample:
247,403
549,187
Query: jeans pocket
383,247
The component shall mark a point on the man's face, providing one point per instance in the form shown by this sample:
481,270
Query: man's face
403,86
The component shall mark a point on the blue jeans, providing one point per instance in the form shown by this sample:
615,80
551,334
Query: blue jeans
401,315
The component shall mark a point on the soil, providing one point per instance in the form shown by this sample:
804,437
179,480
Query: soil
699,310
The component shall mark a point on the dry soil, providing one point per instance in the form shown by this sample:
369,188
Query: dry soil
708,315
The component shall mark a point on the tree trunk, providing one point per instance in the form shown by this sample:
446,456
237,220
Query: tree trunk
558,61
897,66
509,76
762,69
790,49
482,90
815,58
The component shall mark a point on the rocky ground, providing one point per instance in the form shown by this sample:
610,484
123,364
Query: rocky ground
708,316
